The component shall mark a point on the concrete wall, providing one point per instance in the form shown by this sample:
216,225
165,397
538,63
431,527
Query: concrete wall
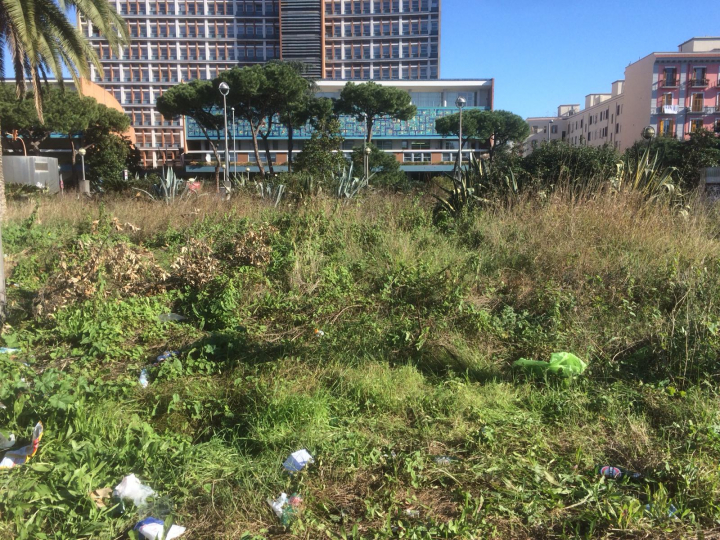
640,83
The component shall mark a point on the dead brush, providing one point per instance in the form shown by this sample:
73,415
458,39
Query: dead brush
253,248
82,273
196,265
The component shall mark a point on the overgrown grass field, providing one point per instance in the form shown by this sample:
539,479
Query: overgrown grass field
421,320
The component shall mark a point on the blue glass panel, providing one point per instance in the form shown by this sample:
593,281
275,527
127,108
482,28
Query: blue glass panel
422,126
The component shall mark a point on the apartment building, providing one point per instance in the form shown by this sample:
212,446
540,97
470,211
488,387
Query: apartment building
177,41
676,93
414,143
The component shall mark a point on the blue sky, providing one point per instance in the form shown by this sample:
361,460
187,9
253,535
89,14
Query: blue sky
546,52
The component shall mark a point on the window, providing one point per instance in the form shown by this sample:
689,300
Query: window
553,129
667,127
697,103
669,77
699,78
695,126
666,100
384,144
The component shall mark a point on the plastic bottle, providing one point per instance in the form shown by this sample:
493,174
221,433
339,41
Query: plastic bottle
144,378
617,473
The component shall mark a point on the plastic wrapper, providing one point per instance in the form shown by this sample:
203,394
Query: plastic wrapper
15,458
152,529
131,489
298,461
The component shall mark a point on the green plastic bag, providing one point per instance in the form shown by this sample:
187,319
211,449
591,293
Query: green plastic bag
562,364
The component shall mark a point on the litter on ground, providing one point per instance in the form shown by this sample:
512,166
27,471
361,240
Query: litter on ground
7,350
7,442
286,508
171,317
143,379
153,529
297,461
617,473
562,364
99,496
131,489
15,458
165,356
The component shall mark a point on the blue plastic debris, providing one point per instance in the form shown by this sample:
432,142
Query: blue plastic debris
166,356
153,529
617,473
297,461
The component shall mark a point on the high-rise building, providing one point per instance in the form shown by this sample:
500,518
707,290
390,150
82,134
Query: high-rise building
382,39
676,93
181,40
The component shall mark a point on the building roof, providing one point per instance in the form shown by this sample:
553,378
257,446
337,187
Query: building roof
431,83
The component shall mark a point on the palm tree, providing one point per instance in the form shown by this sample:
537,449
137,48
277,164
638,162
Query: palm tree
42,41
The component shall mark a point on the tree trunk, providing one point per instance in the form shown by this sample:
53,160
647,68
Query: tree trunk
290,148
73,161
217,167
369,127
256,149
266,141
266,144
3,213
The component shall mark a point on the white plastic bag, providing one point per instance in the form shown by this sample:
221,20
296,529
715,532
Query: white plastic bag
278,504
133,490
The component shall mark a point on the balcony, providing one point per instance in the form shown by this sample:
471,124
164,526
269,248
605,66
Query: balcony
698,83
669,83
704,110
670,109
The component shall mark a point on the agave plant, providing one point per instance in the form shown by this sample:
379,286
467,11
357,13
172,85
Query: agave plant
271,191
468,183
645,175
349,186
170,187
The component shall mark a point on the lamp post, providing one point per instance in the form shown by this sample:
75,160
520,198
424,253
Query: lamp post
233,138
85,186
367,153
365,147
224,89
648,134
460,104
550,123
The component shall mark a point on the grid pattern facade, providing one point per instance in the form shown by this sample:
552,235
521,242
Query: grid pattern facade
177,41
382,39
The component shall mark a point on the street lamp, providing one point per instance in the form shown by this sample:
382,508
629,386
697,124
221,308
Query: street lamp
224,89
648,134
85,186
233,138
460,104
367,151
550,123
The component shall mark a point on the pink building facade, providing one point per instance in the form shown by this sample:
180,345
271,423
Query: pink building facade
677,93
686,93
